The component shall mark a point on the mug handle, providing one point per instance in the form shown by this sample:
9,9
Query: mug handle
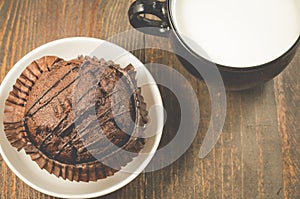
149,26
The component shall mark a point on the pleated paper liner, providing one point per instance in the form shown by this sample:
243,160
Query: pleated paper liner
15,125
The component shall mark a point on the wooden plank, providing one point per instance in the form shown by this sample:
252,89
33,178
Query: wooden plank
189,176
287,87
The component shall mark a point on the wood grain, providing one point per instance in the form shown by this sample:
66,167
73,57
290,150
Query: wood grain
257,155
287,95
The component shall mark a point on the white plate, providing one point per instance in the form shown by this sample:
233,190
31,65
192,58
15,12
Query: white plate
41,180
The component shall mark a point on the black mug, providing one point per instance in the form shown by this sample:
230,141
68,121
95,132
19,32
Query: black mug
234,78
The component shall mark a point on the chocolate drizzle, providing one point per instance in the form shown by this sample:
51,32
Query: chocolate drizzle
50,88
66,116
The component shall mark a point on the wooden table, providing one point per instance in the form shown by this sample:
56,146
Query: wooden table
258,153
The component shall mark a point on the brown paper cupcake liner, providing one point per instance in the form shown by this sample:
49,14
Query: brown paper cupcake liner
15,127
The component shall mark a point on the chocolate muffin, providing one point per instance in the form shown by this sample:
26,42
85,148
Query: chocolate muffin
81,119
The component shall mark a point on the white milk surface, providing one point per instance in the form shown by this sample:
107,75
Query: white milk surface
237,33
